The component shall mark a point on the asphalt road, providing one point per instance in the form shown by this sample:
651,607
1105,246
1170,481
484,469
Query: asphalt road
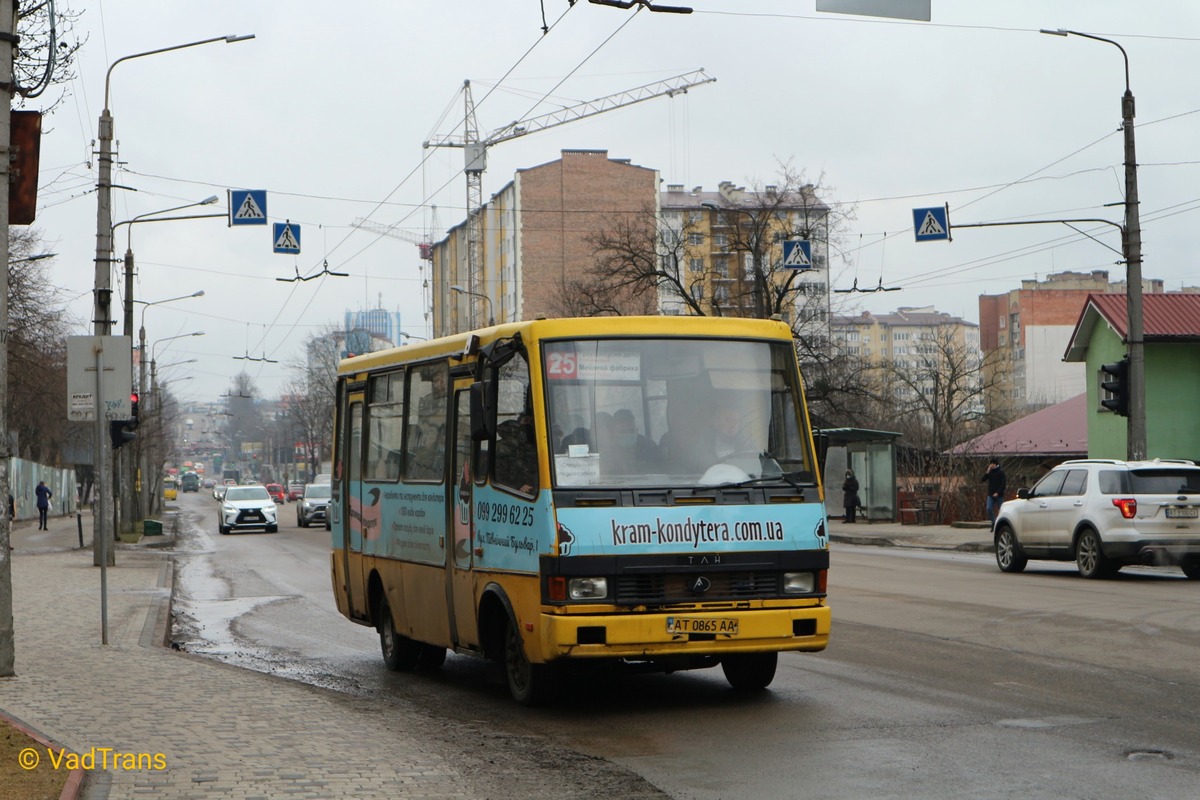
944,679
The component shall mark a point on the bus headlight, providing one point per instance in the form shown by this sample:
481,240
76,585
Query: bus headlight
587,588
799,582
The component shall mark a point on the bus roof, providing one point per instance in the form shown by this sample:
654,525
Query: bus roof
572,327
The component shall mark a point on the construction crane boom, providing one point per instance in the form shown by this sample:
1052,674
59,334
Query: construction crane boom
669,87
475,153
423,242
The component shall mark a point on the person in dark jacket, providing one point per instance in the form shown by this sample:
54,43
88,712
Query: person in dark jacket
997,484
850,495
43,503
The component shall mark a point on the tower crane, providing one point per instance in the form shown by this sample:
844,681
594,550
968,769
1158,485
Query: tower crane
424,243
475,149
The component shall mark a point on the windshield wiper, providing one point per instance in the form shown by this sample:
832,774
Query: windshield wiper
787,477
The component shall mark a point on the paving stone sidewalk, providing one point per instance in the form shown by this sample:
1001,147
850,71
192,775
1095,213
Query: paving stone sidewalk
222,731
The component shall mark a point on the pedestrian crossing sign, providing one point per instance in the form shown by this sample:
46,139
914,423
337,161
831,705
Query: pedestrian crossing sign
287,238
932,224
247,207
797,254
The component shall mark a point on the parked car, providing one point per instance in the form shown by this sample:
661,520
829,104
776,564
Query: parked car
295,491
314,505
247,507
277,492
1104,514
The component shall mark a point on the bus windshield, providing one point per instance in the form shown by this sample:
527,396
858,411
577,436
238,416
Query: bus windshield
675,412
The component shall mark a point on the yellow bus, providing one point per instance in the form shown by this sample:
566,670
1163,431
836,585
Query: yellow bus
625,490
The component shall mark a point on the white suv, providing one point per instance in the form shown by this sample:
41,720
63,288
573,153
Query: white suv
1104,514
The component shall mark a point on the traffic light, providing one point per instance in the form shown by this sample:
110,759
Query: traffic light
122,432
1115,384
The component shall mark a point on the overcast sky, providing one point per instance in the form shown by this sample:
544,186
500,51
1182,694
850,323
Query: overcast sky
328,106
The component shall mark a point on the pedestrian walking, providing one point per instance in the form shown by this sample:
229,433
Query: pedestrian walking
850,495
997,483
43,503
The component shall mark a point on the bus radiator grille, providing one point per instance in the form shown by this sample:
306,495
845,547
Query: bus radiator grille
678,587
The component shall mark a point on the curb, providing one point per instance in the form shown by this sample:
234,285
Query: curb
880,541
74,784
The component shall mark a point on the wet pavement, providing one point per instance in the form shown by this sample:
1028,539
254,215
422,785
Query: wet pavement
200,728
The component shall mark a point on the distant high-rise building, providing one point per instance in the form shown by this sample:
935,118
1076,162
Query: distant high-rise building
376,322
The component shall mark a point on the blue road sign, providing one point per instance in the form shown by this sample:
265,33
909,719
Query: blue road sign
247,206
931,224
797,254
287,238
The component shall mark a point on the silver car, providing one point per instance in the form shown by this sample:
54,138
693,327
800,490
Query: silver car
1104,514
314,505
247,507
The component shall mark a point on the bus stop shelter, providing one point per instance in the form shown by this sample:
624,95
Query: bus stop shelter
872,456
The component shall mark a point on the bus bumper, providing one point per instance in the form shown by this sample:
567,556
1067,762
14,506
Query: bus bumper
641,635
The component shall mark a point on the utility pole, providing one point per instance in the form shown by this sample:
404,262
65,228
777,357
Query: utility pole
101,451
1131,246
8,20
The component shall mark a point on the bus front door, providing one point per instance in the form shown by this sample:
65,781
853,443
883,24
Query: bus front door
351,513
460,583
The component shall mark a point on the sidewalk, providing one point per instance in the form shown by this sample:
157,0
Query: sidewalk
222,731
973,537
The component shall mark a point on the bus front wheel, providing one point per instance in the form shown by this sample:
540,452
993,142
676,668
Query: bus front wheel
750,671
400,654
529,684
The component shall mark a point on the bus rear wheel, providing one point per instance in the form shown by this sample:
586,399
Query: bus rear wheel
529,684
750,672
400,654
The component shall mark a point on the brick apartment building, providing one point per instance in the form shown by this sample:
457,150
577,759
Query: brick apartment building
535,234
1024,332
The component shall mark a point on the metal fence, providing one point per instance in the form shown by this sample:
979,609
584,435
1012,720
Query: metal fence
23,477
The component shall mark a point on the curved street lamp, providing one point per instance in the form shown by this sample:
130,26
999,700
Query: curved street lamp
463,290
1131,241
101,317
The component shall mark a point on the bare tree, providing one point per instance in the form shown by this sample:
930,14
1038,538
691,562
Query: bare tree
937,393
46,54
37,357
310,395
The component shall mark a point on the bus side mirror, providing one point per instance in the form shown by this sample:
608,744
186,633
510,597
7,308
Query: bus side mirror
483,414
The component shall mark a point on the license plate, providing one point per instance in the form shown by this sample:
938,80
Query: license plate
723,626
1183,513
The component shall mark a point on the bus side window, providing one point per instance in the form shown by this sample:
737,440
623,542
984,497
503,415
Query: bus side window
425,427
516,462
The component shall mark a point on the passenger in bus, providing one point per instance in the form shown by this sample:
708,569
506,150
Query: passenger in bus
730,432
627,451
516,454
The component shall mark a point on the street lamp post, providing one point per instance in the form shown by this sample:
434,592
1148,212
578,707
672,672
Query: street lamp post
101,316
156,415
143,497
463,290
151,216
1131,241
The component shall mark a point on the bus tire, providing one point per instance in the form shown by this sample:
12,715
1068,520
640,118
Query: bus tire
529,684
400,654
750,672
